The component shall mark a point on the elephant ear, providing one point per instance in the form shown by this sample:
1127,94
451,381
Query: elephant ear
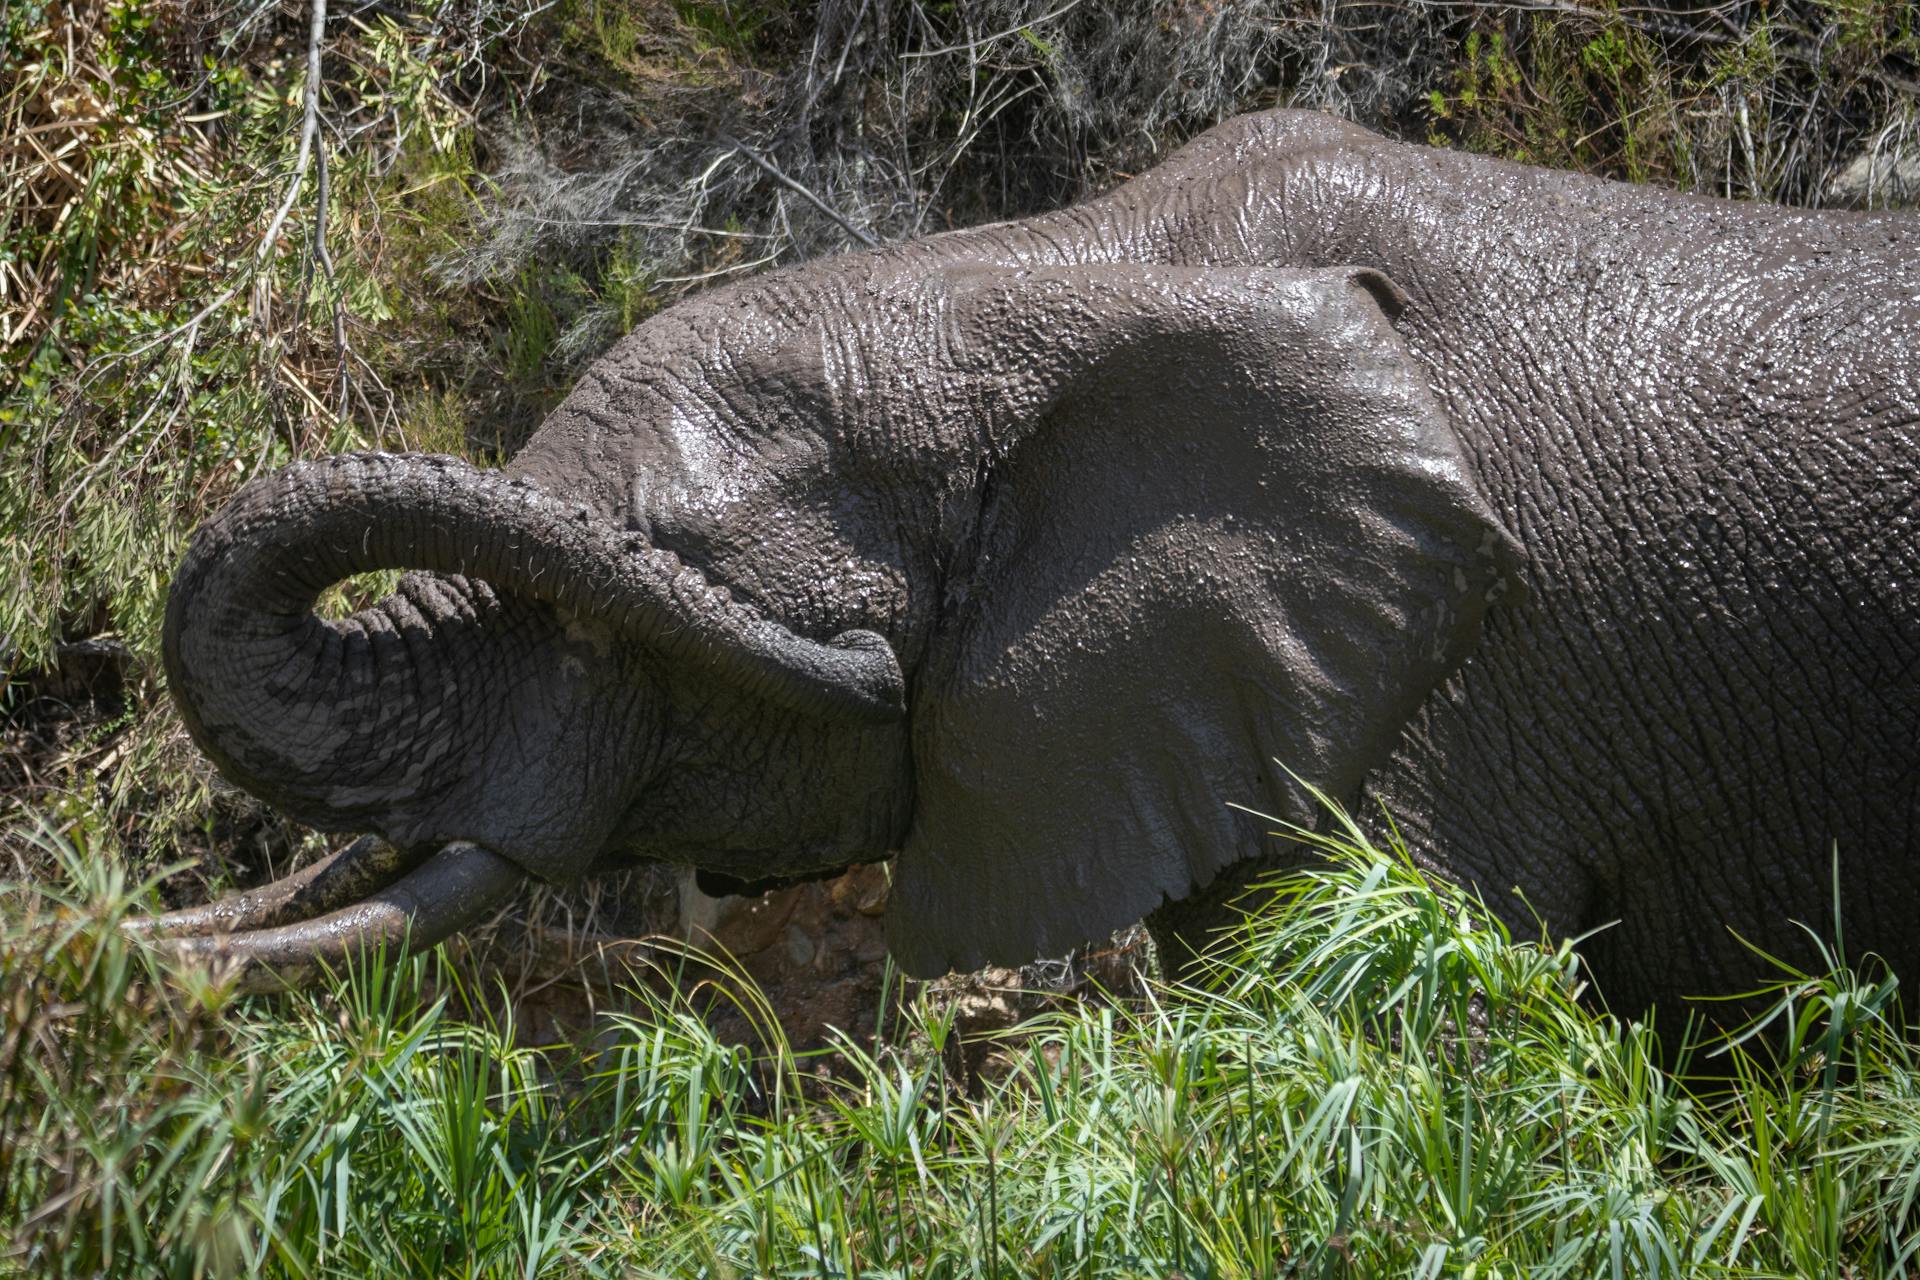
1225,535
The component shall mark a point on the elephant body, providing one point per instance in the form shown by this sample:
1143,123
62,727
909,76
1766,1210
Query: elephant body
1571,524
1698,419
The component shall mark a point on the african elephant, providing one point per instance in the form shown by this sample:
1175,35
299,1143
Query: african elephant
1570,523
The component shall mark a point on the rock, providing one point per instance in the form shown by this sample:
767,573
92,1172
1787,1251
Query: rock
800,949
985,1004
988,1001
1877,179
741,927
816,950
863,889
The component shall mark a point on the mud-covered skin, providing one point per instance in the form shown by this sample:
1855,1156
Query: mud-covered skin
1574,521
1699,419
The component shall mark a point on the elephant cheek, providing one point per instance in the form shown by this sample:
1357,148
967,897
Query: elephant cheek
878,812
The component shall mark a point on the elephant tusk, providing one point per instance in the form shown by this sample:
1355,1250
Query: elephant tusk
363,867
452,890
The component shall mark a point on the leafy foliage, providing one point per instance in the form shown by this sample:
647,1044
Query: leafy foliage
1770,105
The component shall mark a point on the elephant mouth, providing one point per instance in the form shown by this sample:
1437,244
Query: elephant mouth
718,884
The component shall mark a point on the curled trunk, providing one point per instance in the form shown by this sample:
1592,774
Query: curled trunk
330,718
466,717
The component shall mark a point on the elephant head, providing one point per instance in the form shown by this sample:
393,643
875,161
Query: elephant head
1017,563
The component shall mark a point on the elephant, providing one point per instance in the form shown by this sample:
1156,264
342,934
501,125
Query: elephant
1568,525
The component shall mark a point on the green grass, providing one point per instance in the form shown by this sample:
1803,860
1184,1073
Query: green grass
1381,1082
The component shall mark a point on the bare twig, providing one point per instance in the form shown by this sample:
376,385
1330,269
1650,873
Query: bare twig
325,258
984,41
799,190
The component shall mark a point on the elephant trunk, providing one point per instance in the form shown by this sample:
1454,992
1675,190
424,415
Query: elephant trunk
310,712
304,710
